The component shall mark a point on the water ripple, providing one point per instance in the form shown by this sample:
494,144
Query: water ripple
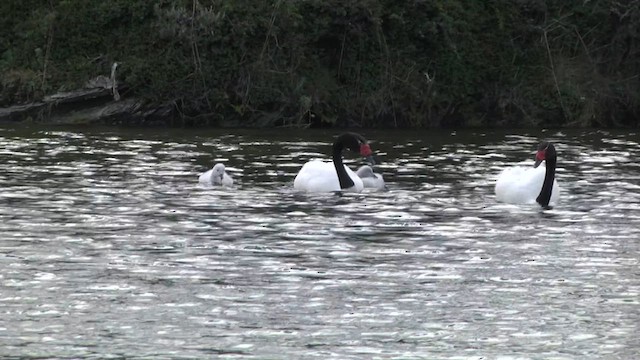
111,249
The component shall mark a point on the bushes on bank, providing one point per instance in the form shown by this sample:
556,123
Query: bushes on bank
335,63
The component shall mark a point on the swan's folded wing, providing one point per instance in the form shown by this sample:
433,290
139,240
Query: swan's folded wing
317,176
205,178
227,180
519,185
320,176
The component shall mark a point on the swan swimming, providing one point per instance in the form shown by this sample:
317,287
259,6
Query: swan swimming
216,176
321,176
519,185
370,179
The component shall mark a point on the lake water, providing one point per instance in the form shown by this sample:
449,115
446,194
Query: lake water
110,248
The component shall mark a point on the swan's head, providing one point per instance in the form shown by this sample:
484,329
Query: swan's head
356,143
546,151
365,171
217,174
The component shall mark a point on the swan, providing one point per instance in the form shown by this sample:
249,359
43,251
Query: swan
518,185
216,176
322,176
370,180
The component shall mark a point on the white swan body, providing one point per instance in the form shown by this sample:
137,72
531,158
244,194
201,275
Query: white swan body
370,179
216,176
321,176
518,185
521,185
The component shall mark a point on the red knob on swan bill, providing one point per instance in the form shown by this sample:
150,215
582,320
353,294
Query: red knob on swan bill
540,156
365,150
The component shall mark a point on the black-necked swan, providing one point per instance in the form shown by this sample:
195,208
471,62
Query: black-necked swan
216,176
370,179
519,185
321,176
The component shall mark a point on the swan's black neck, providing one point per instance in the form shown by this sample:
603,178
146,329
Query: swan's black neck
350,141
344,178
550,174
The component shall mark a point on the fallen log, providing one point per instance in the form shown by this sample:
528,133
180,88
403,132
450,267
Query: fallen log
98,102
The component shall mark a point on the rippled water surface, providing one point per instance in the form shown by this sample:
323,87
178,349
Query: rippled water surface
110,248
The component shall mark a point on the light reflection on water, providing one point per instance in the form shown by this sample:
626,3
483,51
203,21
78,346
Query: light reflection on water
111,248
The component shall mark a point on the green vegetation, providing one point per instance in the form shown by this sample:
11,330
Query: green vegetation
372,63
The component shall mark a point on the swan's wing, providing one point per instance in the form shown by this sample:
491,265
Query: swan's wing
227,180
519,185
555,193
317,176
205,178
320,176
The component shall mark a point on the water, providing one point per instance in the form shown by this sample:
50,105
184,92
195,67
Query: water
110,248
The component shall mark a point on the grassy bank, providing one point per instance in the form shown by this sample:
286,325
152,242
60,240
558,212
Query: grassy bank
372,63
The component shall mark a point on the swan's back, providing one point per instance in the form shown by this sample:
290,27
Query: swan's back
227,180
320,176
521,185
